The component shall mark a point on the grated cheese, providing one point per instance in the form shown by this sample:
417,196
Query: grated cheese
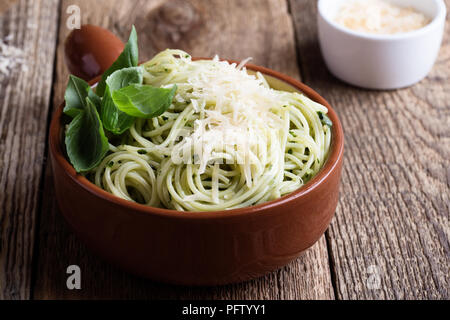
236,109
11,57
379,17
241,114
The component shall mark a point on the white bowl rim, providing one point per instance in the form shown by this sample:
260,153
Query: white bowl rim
440,16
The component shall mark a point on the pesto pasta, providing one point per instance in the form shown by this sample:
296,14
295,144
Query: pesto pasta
227,140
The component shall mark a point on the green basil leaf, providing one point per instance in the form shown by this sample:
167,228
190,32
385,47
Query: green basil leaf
124,77
113,119
143,101
76,92
128,58
86,142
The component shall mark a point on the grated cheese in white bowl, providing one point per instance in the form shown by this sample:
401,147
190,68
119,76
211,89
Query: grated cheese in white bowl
379,17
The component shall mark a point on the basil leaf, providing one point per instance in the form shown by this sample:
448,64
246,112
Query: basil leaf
324,119
86,142
113,119
76,92
124,77
143,101
128,58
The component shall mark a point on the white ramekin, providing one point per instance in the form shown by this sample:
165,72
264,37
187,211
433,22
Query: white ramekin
381,61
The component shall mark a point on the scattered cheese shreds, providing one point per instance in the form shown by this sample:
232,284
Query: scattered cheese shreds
379,17
11,58
241,114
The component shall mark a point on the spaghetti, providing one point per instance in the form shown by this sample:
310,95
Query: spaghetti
227,141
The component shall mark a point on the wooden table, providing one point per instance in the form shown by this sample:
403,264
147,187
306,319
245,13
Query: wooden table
390,236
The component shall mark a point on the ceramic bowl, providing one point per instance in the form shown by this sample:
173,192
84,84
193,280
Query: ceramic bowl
381,61
200,248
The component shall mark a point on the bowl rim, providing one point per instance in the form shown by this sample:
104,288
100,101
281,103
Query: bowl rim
436,20
330,166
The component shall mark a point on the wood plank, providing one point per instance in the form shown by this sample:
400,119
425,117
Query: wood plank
394,206
24,106
232,29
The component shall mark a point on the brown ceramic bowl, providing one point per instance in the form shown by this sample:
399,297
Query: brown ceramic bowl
200,248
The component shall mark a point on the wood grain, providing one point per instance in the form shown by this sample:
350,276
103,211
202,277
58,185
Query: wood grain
5,5
233,29
393,217
24,104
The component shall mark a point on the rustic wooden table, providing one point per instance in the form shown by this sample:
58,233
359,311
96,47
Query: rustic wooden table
390,236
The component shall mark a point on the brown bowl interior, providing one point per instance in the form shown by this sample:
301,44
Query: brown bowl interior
235,244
